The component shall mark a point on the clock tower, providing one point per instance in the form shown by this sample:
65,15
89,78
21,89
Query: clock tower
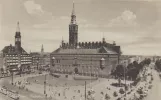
18,39
73,30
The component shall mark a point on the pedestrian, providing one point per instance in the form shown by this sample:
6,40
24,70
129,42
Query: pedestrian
50,98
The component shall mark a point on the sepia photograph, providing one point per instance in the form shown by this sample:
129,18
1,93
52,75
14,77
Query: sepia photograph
80,49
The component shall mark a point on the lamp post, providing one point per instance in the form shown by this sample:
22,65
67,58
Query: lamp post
125,78
20,71
12,77
91,67
85,91
45,85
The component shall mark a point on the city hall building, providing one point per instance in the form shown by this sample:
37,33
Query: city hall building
86,58
14,57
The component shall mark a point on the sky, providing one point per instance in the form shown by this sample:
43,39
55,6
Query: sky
133,24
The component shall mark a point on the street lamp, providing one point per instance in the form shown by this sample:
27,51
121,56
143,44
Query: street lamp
20,71
45,85
125,78
85,95
12,76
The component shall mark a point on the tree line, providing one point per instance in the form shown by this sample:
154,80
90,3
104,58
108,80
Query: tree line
131,71
158,64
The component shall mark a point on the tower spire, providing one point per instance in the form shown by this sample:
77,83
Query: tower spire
73,29
103,39
42,49
18,27
73,16
73,11
62,39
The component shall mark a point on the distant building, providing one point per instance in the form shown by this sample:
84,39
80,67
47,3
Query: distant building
15,56
1,59
85,57
40,58
35,59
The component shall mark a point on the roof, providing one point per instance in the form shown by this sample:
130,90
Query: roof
12,50
84,51
108,50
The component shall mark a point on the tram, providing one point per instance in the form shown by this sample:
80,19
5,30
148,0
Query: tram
13,94
3,90
10,93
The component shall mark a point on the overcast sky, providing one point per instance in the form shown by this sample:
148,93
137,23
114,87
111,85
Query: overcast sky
133,24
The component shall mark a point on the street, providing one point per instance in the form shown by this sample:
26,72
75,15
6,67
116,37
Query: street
155,93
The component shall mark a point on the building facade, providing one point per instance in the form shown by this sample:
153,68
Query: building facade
40,59
35,59
94,58
15,57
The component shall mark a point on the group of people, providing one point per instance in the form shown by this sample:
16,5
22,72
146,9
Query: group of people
21,84
58,92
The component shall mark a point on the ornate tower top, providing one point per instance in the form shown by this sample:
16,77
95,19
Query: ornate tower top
114,43
18,34
18,27
103,39
73,16
42,49
18,39
73,30
73,11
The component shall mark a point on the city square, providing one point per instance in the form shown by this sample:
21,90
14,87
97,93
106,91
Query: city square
80,50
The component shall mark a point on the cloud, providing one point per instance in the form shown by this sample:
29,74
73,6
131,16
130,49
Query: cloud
53,23
126,19
88,25
62,21
33,8
65,18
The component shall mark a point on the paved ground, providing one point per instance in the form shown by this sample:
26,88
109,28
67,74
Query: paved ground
97,86
72,89
155,93
4,97
24,95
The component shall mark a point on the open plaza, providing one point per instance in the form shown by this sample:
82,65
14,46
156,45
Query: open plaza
83,50
45,86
